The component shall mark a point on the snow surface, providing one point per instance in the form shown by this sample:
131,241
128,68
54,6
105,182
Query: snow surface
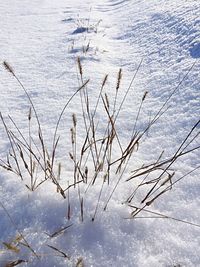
42,40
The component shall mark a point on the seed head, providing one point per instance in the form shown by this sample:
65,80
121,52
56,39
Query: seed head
119,78
104,80
144,96
80,66
74,119
8,67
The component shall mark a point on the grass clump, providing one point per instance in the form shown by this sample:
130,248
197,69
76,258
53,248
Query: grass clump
100,159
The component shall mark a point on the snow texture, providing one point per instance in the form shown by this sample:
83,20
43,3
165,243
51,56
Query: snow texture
42,40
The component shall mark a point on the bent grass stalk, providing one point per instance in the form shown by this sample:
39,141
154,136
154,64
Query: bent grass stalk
96,149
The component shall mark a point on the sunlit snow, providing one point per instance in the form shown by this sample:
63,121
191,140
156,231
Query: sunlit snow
157,43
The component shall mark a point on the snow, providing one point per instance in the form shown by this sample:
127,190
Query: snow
42,40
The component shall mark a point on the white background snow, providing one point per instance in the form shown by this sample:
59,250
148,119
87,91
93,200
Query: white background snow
42,40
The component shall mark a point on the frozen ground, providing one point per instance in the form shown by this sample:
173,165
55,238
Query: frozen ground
42,40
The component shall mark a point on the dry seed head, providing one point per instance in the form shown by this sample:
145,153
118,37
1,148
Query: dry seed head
8,67
71,156
88,46
85,176
74,119
119,78
104,80
17,239
86,171
80,262
30,114
11,247
107,101
144,96
72,135
80,66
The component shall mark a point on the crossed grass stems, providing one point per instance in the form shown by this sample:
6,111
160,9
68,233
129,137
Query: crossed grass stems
94,160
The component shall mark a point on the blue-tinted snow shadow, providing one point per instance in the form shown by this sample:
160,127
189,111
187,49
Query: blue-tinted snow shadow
195,51
80,30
